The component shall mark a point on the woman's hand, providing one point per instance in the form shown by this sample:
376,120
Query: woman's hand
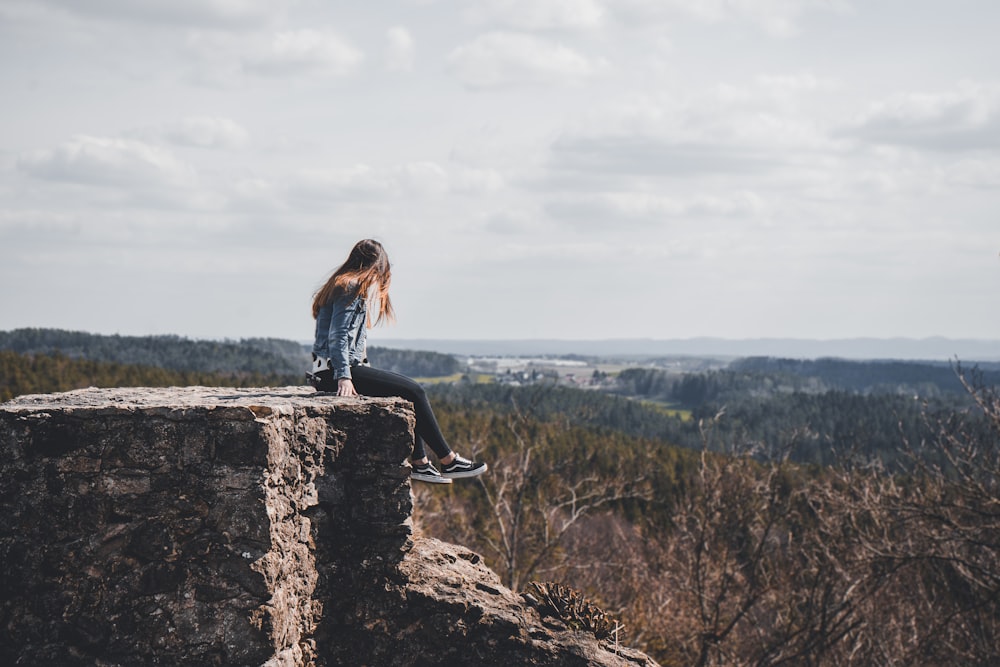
346,388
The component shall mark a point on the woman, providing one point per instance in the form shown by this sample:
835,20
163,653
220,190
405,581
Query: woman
343,312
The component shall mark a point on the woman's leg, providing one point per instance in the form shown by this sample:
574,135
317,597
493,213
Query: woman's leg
375,382
419,453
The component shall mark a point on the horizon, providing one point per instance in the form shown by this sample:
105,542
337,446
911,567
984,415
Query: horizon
932,349
935,349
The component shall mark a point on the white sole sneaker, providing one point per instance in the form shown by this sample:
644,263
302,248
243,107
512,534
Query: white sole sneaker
428,474
463,471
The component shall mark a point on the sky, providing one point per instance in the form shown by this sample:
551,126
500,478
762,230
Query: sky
568,169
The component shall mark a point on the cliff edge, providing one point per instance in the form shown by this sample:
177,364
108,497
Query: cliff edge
208,526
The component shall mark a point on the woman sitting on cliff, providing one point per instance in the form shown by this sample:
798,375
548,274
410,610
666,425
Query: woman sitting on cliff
343,314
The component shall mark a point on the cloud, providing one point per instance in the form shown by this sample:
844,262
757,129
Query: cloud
978,174
652,156
722,129
112,162
650,208
199,132
306,50
363,182
504,59
539,14
230,13
776,17
34,224
399,50
255,196
962,120
512,222
224,59
476,181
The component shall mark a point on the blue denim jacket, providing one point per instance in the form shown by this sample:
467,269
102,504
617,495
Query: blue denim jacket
341,335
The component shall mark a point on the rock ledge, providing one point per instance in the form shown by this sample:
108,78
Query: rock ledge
270,526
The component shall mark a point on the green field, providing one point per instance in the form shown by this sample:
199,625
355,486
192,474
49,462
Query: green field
668,409
479,378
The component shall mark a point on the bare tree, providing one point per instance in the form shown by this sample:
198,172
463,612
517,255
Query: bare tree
533,507
530,505
937,529
749,573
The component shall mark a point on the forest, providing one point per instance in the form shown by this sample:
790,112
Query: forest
246,362
715,556
807,427
264,356
775,512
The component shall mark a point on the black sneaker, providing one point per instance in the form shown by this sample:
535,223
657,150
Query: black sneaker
425,472
463,467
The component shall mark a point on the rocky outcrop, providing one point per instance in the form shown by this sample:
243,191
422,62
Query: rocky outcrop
203,526
450,609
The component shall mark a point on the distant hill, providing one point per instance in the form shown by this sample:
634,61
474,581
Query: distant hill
273,357
43,373
866,377
926,349
249,355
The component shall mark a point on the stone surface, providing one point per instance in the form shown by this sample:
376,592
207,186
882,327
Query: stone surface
445,607
206,526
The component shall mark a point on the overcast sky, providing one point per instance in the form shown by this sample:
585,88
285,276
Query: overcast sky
577,169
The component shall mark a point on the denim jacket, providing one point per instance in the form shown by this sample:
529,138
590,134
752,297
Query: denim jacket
341,335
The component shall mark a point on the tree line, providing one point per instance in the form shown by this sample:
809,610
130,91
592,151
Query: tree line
265,356
44,373
247,357
768,377
816,428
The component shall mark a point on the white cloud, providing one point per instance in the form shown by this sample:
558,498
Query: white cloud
980,174
744,204
512,222
357,182
104,161
367,183
26,223
650,155
228,59
476,181
722,129
306,50
199,132
399,50
776,17
585,209
502,59
965,119
254,195
422,179
539,14
231,13
494,146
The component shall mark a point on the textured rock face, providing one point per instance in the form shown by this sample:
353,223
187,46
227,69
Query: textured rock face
448,608
205,526
173,526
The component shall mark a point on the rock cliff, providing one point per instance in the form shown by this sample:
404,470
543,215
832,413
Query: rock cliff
198,526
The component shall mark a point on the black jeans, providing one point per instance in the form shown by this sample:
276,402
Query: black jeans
374,382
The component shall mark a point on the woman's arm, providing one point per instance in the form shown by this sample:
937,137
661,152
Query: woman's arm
341,322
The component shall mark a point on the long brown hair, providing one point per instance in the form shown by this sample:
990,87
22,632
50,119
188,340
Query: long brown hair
366,268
